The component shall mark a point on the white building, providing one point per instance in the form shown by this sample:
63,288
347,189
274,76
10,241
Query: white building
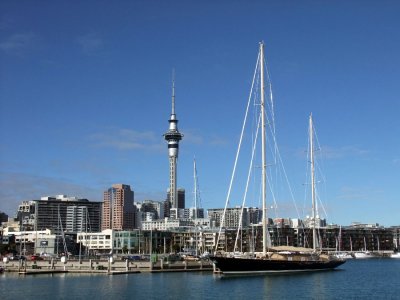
34,242
111,241
166,224
97,241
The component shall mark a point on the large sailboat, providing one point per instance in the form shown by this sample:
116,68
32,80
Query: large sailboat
280,258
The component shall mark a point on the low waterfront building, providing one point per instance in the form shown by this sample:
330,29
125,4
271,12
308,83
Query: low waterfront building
110,241
203,223
209,240
33,242
309,222
172,223
96,242
122,242
296,223
194,240
166,224
396,237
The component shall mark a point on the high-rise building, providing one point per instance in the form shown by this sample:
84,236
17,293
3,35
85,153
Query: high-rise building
167,207
173,136
186,213
3,217
78,219
155,207
60,214
118,208
255,215
181,198
180,203
232,217
196,213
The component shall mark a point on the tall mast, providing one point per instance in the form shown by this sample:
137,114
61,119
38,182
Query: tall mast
314,208
195,205
195,187
263,150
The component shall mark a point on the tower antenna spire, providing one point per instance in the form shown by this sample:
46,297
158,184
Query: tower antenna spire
173,92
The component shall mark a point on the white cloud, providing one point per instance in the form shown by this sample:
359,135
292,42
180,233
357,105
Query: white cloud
218,141
127,139
191,136
194,137
329,152
90,44
18,187
18,43
359,194
344,151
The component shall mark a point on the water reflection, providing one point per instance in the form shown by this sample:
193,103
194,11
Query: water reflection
357,280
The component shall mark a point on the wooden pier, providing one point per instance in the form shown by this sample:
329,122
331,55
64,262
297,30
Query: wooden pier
105,267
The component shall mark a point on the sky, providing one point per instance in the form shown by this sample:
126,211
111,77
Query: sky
85,97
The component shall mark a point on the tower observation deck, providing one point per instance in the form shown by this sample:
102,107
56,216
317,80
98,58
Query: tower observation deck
173,136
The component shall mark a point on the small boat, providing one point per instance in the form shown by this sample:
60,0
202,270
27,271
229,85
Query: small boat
362,255
282,258
395,255
339,253
343,255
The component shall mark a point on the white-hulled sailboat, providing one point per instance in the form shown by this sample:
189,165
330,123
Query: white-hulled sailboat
363,254
282,258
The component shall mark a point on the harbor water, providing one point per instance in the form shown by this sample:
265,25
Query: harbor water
356,279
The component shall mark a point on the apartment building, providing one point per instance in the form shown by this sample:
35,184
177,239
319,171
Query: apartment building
118,208
60,214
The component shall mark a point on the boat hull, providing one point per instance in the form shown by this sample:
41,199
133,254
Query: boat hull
362,255
232,265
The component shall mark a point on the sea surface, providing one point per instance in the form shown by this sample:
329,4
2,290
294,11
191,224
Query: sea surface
356,279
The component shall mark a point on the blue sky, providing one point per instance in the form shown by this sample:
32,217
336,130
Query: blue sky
85,90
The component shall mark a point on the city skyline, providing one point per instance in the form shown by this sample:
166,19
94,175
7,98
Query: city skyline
84,101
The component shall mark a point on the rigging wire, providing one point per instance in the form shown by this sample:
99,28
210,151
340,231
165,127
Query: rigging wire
247,184
237,156
273,148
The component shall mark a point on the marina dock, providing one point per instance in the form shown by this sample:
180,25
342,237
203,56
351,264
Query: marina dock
105,267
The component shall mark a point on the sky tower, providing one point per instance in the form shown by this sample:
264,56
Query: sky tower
173,136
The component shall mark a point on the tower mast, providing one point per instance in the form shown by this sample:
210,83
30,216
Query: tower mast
173,136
